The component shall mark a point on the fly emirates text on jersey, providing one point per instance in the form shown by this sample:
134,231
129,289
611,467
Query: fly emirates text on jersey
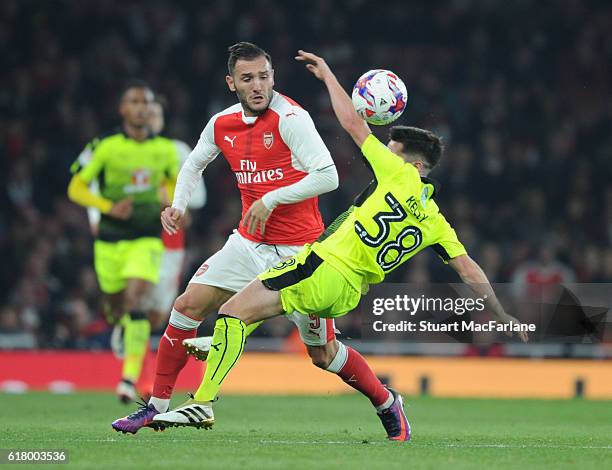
248,173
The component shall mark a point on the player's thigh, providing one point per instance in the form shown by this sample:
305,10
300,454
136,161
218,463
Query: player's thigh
309,285
200,300
253,303
314,331
142,259
108,264
231,268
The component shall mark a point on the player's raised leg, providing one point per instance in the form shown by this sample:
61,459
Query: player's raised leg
253,304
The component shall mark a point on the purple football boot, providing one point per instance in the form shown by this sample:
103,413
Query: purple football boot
394,419
143,416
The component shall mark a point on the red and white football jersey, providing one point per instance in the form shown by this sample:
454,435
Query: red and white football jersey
275,149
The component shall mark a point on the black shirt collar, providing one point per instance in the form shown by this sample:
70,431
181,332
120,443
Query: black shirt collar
434,183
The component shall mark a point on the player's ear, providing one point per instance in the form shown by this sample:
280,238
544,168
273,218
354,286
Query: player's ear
230,82
420,166
272,76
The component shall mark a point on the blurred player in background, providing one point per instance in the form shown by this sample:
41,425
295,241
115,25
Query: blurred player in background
159,300
130,167
393,220
281,165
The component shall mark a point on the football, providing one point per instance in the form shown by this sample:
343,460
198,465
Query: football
379,97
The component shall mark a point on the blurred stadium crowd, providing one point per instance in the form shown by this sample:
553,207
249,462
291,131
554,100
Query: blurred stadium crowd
519,90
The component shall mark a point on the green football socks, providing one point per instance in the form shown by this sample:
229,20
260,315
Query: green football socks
136,333
227,346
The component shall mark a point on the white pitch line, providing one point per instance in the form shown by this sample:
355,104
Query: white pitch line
518,446
357,442
417,444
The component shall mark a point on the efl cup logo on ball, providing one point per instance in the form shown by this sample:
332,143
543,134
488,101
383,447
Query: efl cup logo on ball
379,97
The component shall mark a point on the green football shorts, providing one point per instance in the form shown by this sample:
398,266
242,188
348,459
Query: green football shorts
311,286
116,262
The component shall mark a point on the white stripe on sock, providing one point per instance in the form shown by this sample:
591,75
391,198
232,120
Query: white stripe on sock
183,322
339,360
160,404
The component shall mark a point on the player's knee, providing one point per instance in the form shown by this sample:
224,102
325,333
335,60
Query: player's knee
229,308
134,294
235,309
131,303
188,304
320,356
320,362
323,356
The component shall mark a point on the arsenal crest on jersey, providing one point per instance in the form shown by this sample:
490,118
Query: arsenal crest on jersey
268,139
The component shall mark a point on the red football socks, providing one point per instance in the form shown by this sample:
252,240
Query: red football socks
357,373
171,358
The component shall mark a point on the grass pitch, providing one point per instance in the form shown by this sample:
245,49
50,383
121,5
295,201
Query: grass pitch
318,432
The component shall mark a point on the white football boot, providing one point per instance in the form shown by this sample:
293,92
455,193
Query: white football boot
192,413
198,347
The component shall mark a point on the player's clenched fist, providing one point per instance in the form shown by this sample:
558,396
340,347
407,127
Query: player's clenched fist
172,220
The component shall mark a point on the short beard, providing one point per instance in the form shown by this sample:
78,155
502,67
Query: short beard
246,107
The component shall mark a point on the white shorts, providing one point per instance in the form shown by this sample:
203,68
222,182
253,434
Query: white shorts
162,295
240,261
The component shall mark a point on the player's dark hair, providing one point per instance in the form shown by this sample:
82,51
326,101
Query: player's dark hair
134,83
419,141
245,51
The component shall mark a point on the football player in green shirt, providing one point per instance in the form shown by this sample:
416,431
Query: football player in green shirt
129,168
390,222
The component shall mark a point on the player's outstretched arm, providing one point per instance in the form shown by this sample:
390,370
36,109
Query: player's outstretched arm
472,274
340,100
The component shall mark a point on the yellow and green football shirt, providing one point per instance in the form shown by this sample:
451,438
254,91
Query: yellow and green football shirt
393,222
123,167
